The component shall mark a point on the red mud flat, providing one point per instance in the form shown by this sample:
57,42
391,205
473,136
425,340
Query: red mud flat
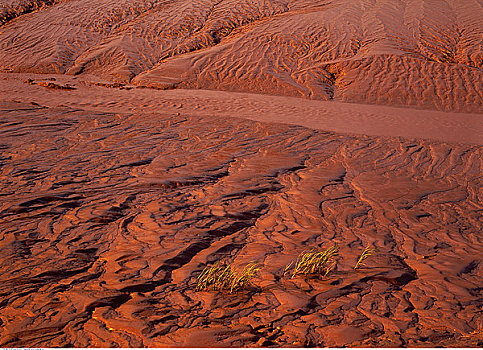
114,196
108,218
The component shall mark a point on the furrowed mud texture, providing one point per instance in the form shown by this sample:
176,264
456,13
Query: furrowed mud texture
108,219
421,53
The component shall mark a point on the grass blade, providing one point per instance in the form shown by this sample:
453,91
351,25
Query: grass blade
367,252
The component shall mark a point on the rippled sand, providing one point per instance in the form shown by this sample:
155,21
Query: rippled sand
353,123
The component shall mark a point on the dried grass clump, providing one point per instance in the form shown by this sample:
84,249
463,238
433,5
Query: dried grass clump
368,251
221,277
314,262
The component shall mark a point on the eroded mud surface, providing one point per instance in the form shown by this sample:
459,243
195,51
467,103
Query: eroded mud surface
421,53
108,218
125,170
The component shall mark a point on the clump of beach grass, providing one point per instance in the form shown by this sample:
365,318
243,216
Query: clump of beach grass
313,262
223,277
367,252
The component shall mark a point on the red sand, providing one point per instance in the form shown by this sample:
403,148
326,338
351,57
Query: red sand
275,127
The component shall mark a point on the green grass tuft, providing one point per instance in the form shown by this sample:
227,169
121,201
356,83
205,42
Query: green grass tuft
313,262
221,277
368,251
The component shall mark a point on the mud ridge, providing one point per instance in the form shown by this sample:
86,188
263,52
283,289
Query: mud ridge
387,52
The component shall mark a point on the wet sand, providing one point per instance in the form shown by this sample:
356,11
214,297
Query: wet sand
141,141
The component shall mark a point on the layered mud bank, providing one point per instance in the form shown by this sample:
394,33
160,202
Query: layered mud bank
108,218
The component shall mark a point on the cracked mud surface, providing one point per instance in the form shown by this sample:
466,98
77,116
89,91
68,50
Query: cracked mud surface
107,219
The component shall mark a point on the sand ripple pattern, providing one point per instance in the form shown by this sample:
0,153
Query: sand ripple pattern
422,53
107,219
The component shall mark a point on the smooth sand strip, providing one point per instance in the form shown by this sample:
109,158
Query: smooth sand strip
323,115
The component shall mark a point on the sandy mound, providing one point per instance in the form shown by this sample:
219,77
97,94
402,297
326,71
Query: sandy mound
419,53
